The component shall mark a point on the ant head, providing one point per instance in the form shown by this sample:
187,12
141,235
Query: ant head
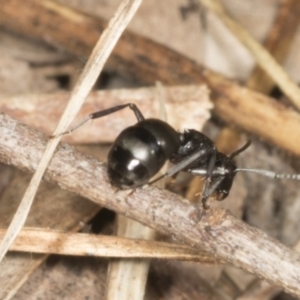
225,165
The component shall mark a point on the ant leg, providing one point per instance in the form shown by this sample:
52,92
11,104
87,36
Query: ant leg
181,165
210,189
211,163
210,169
105,112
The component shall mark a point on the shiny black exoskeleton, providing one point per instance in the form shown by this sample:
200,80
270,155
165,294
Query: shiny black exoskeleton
140,151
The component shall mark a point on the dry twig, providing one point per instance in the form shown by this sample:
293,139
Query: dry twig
214,230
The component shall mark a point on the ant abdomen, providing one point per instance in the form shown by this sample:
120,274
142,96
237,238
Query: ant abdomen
140,151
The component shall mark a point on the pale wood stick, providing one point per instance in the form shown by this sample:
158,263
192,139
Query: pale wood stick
268,118
187,106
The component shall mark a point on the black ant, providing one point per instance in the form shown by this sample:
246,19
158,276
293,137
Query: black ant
140,151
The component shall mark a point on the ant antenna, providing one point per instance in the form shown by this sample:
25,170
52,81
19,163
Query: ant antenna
242,149
265,173
271,174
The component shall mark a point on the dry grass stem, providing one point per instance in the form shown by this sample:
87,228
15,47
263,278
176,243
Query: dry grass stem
278,42
45,241
214,230
84,85
262,56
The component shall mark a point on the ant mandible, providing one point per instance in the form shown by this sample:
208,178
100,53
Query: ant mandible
140,151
